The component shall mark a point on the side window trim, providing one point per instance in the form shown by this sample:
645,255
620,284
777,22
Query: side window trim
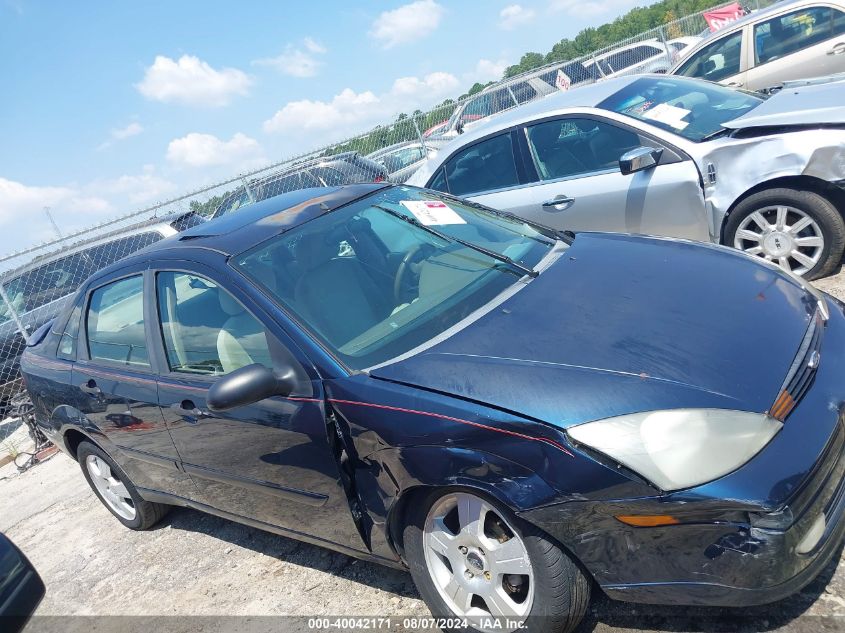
82,349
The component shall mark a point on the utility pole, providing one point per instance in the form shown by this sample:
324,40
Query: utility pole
53,222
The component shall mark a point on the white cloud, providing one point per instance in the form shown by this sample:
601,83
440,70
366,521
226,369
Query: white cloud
119,134
133,129
22,215
136,189
408,23
349,111
206,150
191,81
515,15
438,83
581,9
18,200
313,46
295,61
487,70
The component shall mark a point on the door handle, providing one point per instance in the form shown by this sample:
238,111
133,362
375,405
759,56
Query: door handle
187,409
558,203
90,387
838,49
735,84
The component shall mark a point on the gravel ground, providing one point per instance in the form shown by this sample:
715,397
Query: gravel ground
194,564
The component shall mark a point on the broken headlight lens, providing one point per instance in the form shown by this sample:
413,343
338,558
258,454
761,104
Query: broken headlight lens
679,448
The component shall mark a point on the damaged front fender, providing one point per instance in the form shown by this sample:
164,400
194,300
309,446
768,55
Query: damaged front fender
735,165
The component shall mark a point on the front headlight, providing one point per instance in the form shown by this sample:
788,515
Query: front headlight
679,448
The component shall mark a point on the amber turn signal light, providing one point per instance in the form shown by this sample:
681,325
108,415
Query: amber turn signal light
647,520
782,406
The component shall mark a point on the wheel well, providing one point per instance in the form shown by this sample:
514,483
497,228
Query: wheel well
399,509
834,194
396,517
72,440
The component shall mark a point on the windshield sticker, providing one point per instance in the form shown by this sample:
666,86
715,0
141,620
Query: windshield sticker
432,213
668,115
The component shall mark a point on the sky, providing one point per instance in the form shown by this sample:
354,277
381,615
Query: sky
108,107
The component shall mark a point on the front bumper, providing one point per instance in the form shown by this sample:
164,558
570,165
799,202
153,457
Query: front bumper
752,565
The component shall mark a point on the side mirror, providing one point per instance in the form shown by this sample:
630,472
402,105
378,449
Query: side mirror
21,588
459,128
249,385
639,159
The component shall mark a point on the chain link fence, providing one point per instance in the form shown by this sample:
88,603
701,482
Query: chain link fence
36,282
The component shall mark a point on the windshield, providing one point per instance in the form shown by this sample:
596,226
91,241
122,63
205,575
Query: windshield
693,109
371,285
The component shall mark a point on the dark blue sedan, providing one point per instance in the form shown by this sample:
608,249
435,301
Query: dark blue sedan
515,414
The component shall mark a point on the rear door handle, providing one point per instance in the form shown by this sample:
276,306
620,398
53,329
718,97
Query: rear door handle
837,49
187,409
90,387
558,203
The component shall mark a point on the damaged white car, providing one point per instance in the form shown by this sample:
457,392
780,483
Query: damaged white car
668,156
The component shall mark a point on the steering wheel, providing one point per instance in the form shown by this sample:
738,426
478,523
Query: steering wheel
417,251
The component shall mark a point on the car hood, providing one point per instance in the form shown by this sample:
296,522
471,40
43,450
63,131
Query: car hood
621,324
822,103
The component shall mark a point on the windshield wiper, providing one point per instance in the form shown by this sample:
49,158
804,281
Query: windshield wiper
448,238
717,133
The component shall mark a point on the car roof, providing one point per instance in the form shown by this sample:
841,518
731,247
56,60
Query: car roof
652,41
392,148
235,232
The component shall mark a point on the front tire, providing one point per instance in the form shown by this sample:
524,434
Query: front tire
115,490
800,231
472,559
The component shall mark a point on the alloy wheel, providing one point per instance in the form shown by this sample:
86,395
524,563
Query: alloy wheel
111,489
784,235
477,560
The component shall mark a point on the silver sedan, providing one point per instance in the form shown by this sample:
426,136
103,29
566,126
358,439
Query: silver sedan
668,156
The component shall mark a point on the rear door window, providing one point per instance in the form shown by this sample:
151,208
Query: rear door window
115,323
485,166
331,177
632,56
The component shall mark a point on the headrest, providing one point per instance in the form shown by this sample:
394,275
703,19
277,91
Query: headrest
545,135
228,303
312,250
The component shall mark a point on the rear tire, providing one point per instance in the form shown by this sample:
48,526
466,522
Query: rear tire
802,229
509,563
115,490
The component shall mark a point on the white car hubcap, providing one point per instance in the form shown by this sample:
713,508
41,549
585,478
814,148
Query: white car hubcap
784,235
477,561
111,489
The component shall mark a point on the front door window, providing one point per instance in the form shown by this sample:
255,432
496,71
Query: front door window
205,329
